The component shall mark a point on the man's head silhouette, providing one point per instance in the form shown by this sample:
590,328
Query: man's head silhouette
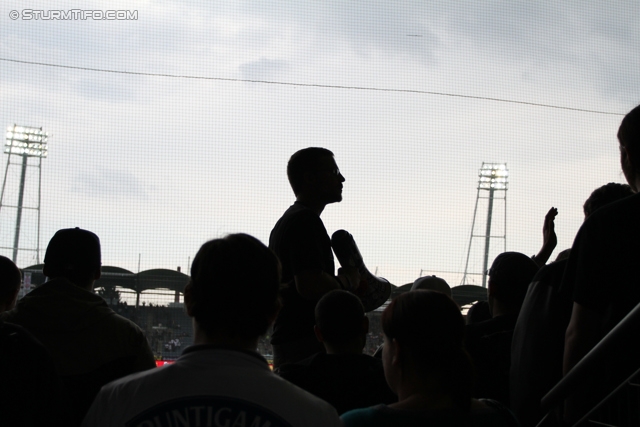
73,253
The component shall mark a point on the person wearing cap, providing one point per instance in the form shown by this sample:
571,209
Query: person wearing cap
301,242
489,342
221,380
432,283
90,344
342,376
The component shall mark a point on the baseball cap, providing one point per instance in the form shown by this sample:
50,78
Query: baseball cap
432,283
73,248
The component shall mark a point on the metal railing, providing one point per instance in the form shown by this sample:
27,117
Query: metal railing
621,407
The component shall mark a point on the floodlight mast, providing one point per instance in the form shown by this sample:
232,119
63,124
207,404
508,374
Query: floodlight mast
26,142
492,177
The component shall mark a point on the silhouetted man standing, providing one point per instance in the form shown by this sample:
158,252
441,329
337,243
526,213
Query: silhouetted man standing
90,344
301,242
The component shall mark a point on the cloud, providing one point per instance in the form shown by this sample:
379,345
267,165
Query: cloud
109,182
133,154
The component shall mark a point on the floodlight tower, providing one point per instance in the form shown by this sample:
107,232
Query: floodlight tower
26,142
492,177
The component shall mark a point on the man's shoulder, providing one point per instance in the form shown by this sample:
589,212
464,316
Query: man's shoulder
299,228
604,248
129,384
256,396
545,290
16,339
297,213
624,204
549,273
55,300
619,216
302,366
122,323
57,305
227,410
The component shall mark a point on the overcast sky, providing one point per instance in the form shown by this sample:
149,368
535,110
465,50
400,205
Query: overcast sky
406,94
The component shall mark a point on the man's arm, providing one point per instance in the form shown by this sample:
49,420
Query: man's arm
313,284
549,238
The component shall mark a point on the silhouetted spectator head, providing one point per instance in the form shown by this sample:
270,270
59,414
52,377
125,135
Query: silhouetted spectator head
478,312
313,171
604,195
424,333
341,323
10,279
74,254
509,278
629,138
234,287
432,283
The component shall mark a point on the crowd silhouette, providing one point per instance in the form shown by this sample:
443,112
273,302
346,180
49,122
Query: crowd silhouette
68,358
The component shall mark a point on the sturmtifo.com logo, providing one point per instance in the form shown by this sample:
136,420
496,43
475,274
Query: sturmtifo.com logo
74,15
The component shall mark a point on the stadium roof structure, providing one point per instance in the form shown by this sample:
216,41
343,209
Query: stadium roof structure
116,276
158,278
463,295
466,294
162,278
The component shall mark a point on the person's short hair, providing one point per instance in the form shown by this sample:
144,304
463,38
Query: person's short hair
510,275
303,161
235,284
339,317
629,135
478,312
604,195
73,253
10,279
433,283
428,324
424,318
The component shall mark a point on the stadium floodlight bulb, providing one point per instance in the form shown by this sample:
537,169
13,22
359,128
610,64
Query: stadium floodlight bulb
493,176
26,141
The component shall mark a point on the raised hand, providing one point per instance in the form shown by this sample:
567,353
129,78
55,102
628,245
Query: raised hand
549,238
